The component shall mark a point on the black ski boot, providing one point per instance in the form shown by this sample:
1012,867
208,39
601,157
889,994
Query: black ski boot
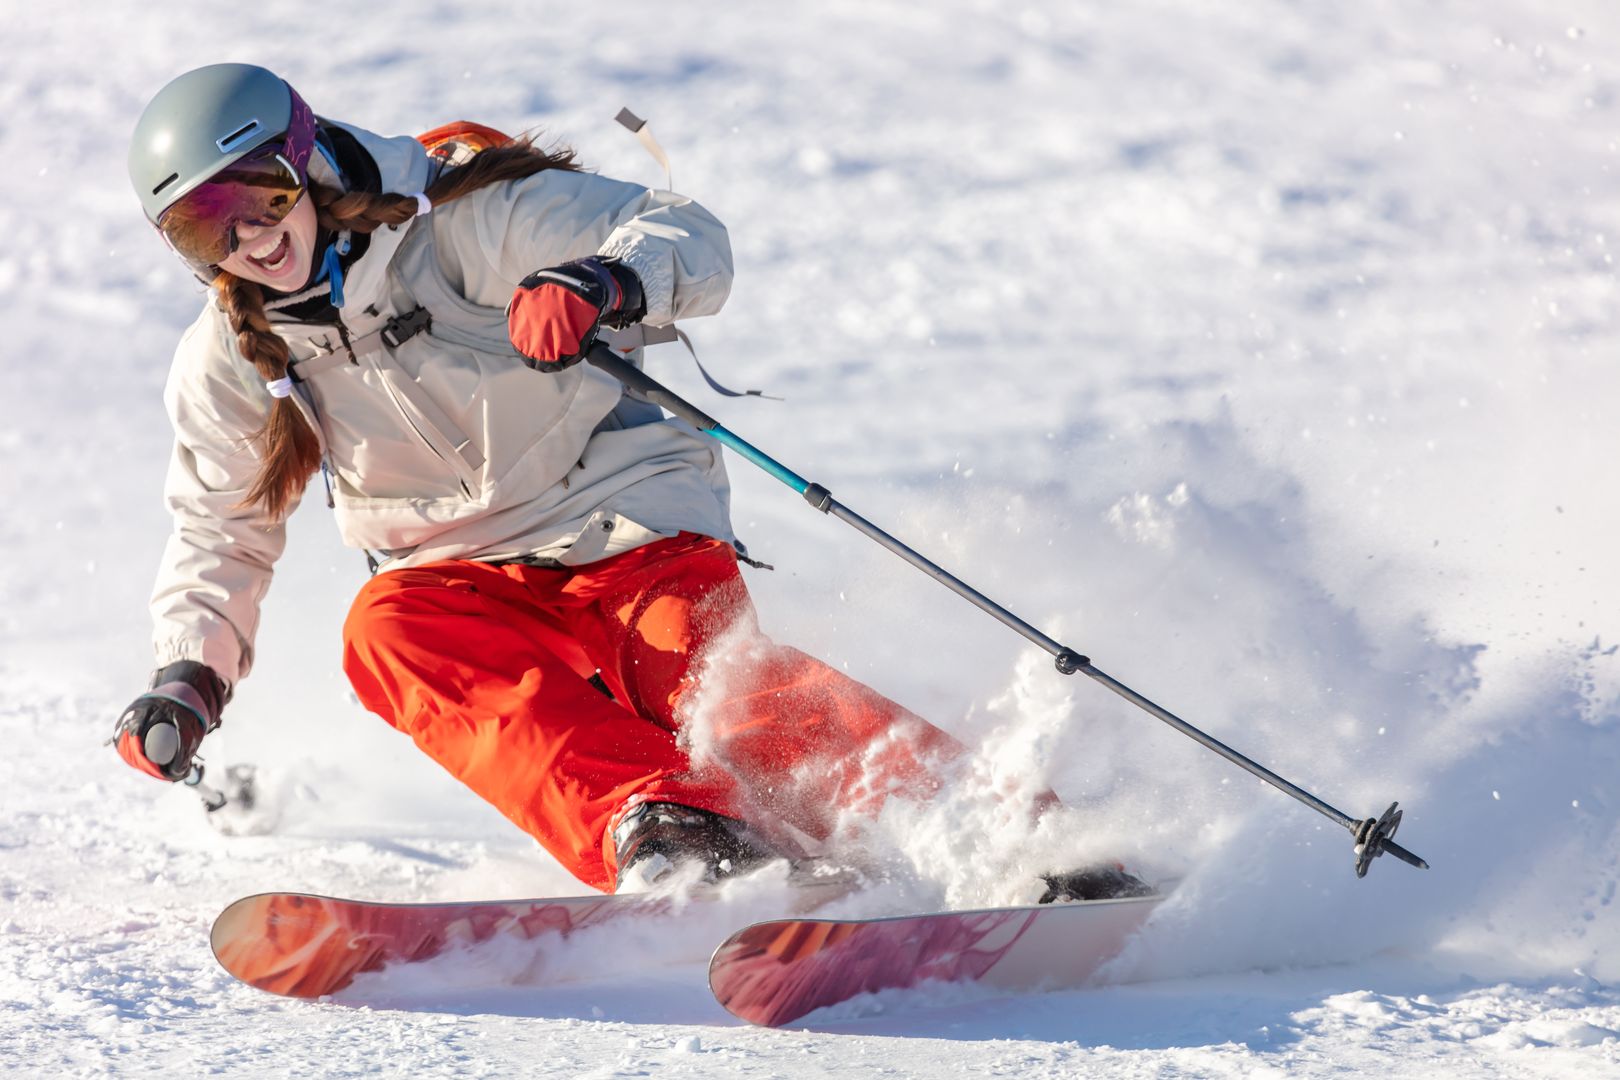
1107,881
655,839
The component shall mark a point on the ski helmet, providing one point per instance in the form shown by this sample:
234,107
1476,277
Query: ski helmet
202,124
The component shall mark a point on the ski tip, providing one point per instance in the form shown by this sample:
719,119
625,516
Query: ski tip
287,944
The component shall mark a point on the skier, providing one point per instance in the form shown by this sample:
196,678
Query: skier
555,562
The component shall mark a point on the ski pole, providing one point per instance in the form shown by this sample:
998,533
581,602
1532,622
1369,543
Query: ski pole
1372,836
239,792
212,798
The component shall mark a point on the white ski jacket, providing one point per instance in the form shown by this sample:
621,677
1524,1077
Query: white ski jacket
441,442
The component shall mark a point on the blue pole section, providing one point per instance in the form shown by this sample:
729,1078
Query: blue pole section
764,461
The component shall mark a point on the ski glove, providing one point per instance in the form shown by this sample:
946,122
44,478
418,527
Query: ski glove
160,731
556,313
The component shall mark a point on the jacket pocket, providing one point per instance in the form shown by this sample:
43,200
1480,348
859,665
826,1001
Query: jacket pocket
511,430
396,523
431,423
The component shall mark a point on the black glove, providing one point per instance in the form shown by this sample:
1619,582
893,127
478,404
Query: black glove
160,731
556,313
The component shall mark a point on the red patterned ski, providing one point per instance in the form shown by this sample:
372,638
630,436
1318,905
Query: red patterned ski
300,945
773,973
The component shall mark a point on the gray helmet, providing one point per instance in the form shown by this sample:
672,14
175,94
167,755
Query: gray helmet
201,122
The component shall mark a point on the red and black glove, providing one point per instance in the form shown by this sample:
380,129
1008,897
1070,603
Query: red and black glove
556,313
160,731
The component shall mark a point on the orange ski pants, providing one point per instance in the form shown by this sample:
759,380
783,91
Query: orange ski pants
486,667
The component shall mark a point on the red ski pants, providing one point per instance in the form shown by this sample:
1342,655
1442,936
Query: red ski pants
486,667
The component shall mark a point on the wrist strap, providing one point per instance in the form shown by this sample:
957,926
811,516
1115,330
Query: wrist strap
184,694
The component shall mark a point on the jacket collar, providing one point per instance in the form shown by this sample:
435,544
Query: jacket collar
403,167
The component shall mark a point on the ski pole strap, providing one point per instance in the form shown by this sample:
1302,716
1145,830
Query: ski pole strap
644,334
710,379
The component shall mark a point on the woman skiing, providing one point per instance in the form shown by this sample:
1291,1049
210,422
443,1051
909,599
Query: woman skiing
556,558
554,555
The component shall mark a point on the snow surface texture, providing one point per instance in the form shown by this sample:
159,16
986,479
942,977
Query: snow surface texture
1263,351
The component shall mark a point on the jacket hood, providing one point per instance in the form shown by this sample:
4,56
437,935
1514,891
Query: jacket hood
404,168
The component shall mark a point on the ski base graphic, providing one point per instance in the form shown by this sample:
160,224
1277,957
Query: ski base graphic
306,946
773,973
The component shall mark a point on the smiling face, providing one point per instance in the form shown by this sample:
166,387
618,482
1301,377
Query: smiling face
280,256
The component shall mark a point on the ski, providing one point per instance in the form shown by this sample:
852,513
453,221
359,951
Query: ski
773,973
306,946
770,973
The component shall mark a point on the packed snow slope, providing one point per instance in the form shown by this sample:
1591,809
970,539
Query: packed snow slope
1265,352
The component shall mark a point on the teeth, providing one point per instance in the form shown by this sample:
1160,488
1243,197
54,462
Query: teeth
264,252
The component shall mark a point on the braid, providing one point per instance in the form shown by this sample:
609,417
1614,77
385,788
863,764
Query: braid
289,449
361,211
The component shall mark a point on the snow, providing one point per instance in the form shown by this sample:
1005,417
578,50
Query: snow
1263,352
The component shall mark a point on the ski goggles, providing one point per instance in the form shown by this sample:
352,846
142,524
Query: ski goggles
259,189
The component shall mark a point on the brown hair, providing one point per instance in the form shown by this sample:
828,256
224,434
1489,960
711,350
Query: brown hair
289,450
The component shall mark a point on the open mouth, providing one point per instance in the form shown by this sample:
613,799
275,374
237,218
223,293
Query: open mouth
273,260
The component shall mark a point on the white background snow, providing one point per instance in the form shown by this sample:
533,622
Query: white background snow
1266,352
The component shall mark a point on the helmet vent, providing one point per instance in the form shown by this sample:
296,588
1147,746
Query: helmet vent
238,137
172,178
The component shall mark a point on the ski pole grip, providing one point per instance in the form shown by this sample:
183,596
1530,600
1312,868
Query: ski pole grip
603,357
161,744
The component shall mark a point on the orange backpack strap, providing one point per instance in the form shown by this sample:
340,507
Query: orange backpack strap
456,143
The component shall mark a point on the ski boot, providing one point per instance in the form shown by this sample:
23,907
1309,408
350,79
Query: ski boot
1106,881
656,839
